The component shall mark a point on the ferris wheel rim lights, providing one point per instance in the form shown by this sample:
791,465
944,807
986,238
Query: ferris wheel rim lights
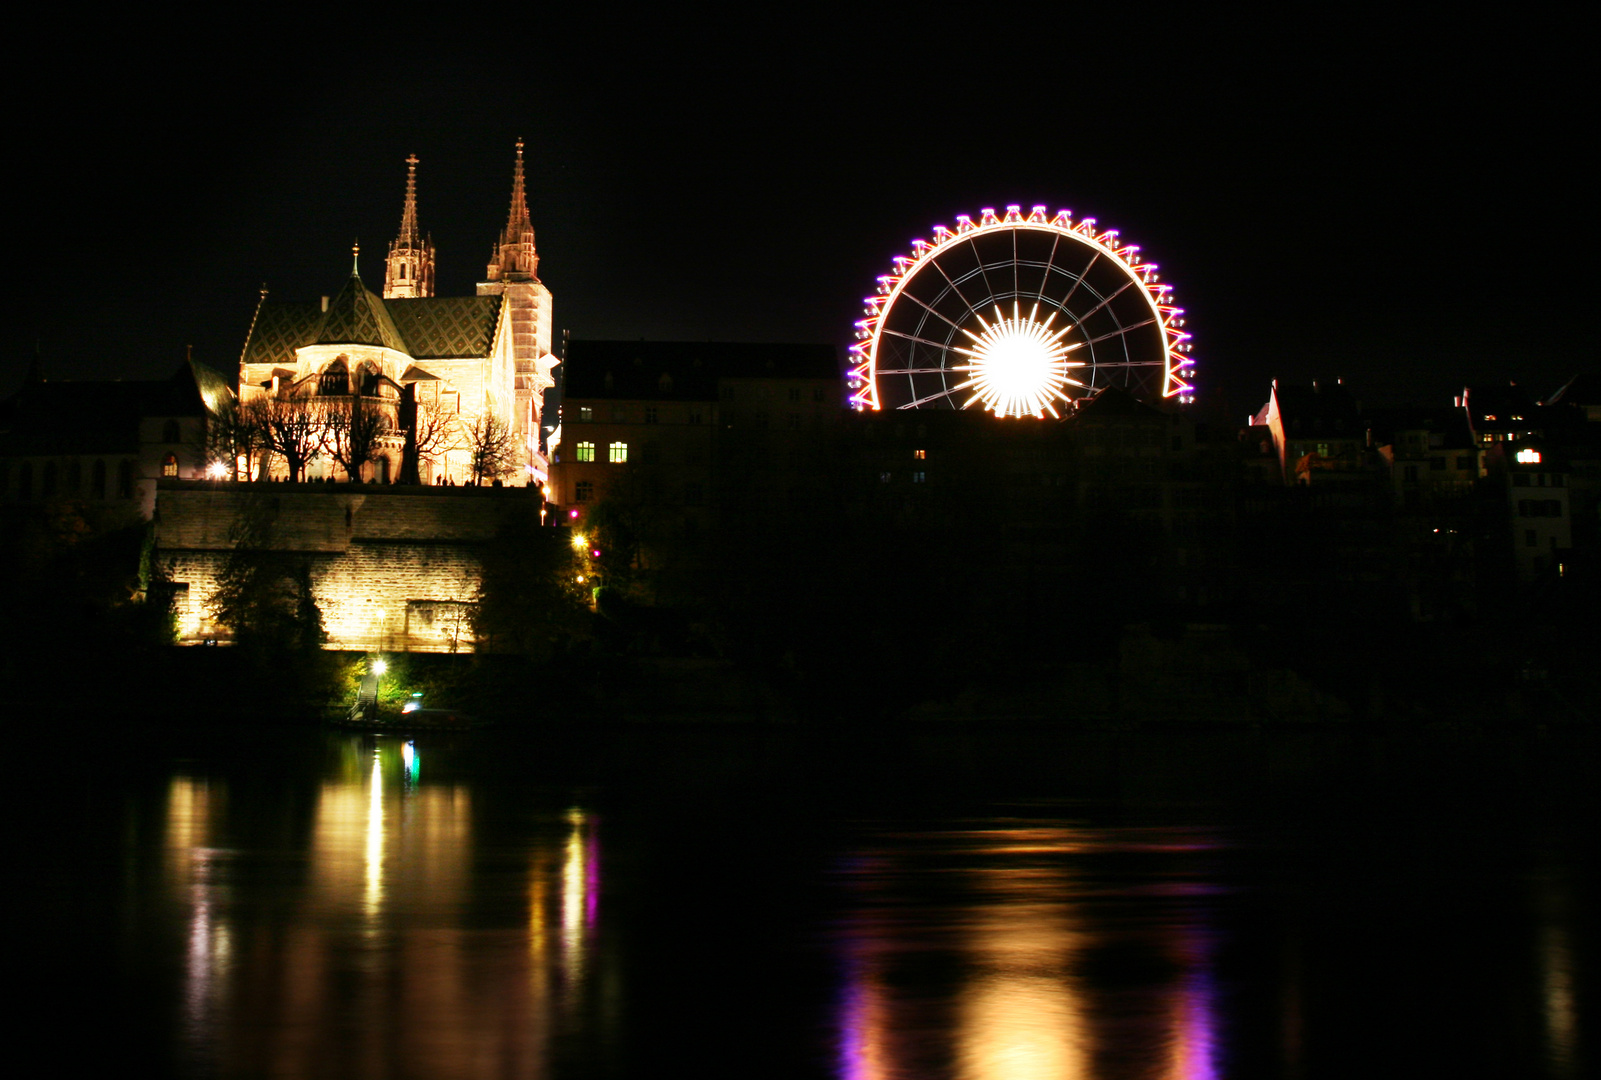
1176,381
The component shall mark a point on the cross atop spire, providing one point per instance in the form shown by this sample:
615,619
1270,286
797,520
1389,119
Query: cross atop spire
409,270
408,216
514,258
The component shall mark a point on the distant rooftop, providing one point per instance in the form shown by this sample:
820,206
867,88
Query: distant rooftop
685,370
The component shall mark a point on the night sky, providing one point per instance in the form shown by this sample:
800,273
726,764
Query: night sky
1388,199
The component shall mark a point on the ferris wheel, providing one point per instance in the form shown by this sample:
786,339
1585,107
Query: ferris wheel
1020,315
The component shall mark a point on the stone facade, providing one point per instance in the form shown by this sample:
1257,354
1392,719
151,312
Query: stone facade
409,353
392,568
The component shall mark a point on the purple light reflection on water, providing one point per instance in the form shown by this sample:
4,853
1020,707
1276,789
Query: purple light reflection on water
591,875
1195,1049
1021,923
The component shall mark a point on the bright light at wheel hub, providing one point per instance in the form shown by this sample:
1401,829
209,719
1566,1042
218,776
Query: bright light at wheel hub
1019,366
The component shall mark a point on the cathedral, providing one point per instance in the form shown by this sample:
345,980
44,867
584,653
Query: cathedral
443,374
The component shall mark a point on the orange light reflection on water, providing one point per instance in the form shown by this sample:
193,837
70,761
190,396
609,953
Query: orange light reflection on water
1019,923
371,963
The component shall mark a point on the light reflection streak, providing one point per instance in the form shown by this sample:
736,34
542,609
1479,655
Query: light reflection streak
575,906
190,863
862,1025
1020,930
372,898
1557,962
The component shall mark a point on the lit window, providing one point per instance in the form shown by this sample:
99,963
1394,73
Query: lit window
585,451
920,454
1529,456
169,467
617,453
585,414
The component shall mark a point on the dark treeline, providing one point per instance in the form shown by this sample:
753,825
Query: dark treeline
1133,565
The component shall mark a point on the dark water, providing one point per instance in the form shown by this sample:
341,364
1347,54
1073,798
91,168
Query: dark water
746,902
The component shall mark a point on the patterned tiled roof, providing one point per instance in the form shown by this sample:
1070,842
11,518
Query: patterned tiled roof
446,327
431,328
281,329
357,317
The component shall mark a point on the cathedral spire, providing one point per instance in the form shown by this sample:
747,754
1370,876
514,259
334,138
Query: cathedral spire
514,258
409,270
408,215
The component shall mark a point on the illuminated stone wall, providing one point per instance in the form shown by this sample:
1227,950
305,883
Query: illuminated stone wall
392,568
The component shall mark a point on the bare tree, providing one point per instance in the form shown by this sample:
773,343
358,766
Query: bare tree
352,434
292,427
236,431
491,448
436,431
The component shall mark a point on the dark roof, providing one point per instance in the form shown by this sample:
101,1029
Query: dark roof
1319,409
1116,403
430,328
94,417
1448,422
1500,402
636,369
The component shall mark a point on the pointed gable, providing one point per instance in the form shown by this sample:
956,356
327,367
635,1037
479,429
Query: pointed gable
357,317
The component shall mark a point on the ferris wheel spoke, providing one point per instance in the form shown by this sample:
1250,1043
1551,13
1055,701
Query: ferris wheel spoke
1080,280
955,288
919,302
947,392
983,272
1120,330
920,340
1050,264
1113,295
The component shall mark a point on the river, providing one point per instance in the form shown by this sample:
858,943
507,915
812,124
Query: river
747,901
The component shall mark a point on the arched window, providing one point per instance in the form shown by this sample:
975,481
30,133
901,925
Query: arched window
25,481
169,432
125,479
49,485
335,381
169,467
74,476
97,482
